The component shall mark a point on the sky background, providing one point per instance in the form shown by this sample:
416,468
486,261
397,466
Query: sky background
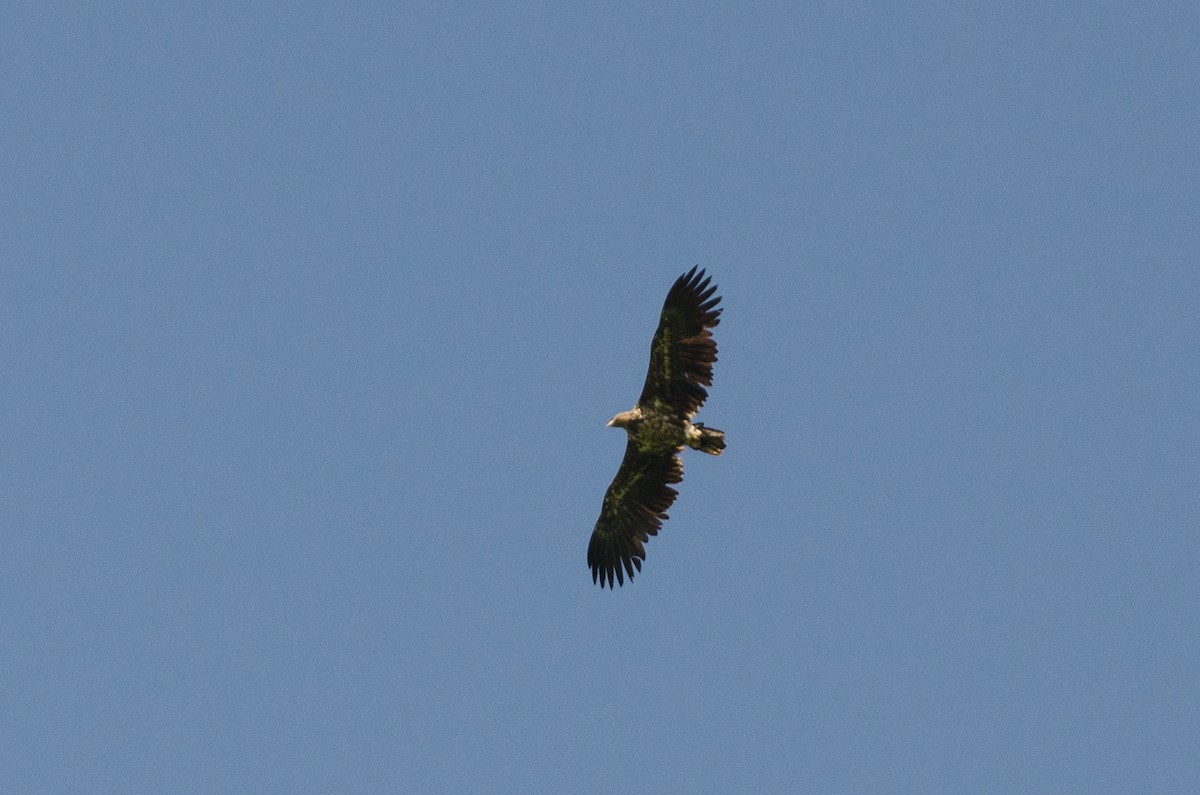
313,315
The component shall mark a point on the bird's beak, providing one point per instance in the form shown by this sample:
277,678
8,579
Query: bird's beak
609,424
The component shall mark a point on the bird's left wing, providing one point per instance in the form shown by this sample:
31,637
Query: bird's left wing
683,351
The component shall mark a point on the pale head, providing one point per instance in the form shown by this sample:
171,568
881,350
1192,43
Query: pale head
625,419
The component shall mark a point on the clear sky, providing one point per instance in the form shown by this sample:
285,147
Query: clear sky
313,314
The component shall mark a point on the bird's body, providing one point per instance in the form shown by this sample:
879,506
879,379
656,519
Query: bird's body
656,431
659,427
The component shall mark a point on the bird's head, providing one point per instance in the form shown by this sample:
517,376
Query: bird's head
625,419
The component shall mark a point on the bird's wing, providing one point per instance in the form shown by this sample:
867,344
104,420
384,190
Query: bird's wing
683,350
634,508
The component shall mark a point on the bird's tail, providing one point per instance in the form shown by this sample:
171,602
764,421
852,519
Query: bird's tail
711,440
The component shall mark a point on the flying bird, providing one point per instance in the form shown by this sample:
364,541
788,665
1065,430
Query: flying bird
659,427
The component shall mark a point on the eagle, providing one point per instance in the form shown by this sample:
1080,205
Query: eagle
659,426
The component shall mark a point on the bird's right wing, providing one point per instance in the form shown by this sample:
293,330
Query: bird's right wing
634,508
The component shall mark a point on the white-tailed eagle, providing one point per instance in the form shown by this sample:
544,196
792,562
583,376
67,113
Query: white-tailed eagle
659,427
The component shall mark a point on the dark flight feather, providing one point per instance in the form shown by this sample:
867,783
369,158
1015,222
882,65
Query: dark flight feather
683,350
634,508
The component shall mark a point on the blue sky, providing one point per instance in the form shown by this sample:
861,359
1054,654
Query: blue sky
314,314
